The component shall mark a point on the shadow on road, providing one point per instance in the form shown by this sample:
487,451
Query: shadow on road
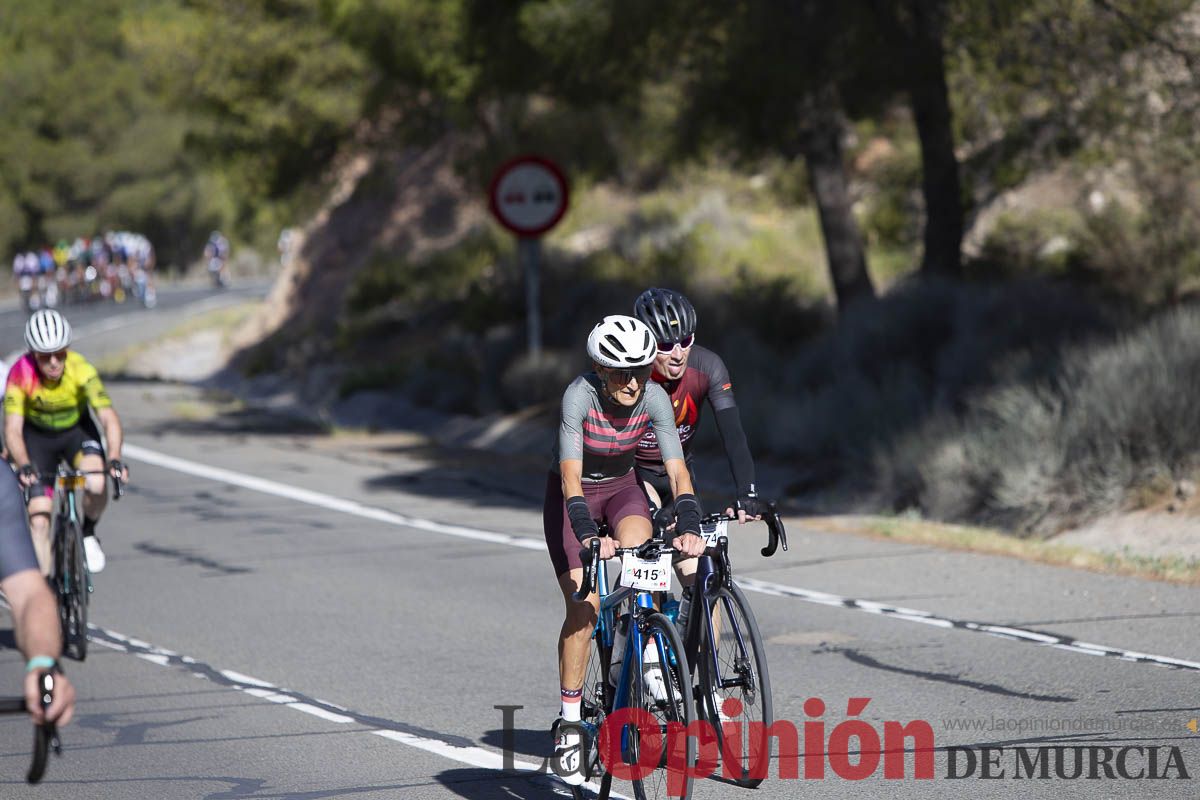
486,784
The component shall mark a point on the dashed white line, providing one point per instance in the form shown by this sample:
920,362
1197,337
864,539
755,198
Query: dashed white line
764,587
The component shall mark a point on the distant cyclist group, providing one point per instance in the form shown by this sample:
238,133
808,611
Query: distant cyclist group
116,266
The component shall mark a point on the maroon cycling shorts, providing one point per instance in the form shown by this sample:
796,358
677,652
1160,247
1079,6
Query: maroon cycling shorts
612,500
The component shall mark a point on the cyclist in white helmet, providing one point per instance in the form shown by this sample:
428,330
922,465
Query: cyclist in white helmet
605,413
46,420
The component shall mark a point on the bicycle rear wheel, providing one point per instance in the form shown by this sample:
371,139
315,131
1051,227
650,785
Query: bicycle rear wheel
736,700
72,583
675,705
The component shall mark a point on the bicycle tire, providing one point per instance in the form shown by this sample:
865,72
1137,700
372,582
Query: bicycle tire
678,707
596,700
73,595
743,658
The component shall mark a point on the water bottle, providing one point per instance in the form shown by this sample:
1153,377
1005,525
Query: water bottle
670,609
684,606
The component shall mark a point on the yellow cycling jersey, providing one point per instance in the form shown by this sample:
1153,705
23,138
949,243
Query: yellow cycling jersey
55,406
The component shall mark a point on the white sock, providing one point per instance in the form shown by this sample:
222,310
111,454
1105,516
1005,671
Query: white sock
572,709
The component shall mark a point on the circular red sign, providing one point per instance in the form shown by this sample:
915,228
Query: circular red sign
529,195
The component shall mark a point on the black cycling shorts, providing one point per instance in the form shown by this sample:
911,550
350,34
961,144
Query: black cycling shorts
47,448
657,477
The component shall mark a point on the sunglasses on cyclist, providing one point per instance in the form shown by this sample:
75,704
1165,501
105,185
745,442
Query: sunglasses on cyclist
684,344
624,376
60,355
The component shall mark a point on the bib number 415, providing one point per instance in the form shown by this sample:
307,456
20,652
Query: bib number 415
646,575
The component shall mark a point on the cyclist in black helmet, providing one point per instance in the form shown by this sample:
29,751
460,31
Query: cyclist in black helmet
691,374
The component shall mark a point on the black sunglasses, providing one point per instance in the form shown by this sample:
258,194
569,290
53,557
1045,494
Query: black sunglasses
684,343
624,376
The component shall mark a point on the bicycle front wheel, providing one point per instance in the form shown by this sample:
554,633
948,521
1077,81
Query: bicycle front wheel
664,691
735,695
72,589
597,700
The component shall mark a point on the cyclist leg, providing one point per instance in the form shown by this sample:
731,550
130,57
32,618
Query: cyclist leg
39,508
44,449
88,456
627,511
574,638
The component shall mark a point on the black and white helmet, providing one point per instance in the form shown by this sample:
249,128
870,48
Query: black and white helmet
667,313
620,342
47,331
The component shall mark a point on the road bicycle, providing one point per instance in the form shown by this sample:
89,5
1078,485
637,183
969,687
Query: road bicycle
71,578
45,736
652,754
726,656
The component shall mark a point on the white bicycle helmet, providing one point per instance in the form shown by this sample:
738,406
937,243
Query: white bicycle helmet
47,331
620,342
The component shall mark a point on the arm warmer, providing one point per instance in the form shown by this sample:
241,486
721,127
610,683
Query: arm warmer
729,425
687,514
580,515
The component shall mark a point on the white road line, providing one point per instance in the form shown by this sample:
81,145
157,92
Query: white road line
264,690
1002,631
763,587
325,500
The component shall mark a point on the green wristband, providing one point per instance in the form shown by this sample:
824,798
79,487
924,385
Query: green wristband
41,662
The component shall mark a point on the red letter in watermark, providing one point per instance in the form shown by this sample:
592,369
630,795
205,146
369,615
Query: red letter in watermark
614,740
868,744
677,767
894,735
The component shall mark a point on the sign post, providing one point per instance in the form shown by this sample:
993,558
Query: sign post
529,196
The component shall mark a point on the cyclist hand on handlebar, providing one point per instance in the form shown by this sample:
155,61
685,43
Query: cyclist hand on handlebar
62,707
688,544
749,506
608,545
27,475
118,470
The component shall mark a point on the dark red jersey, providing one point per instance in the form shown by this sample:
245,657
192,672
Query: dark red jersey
705,377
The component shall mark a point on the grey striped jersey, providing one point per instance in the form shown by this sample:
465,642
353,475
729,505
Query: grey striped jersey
605,434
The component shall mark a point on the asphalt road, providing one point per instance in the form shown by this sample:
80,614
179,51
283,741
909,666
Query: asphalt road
288,615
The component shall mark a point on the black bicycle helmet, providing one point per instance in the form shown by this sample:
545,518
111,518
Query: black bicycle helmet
667,313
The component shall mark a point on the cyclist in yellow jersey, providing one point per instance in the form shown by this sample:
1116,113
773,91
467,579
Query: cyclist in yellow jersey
46,421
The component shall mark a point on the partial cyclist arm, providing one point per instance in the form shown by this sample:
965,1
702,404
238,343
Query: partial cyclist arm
14,437
578,513
733,437
113,435
571,470
34,609
729,421
737,449
35,618
680,478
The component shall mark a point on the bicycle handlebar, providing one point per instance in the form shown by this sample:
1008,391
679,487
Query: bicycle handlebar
649,549
118,484
45,736
777,534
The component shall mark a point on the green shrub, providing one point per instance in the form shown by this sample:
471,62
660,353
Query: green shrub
1115,424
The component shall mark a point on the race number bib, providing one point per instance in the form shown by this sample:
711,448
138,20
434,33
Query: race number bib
712,531
646,575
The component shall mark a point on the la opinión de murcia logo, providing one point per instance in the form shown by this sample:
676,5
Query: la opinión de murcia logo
853,749
1091,762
